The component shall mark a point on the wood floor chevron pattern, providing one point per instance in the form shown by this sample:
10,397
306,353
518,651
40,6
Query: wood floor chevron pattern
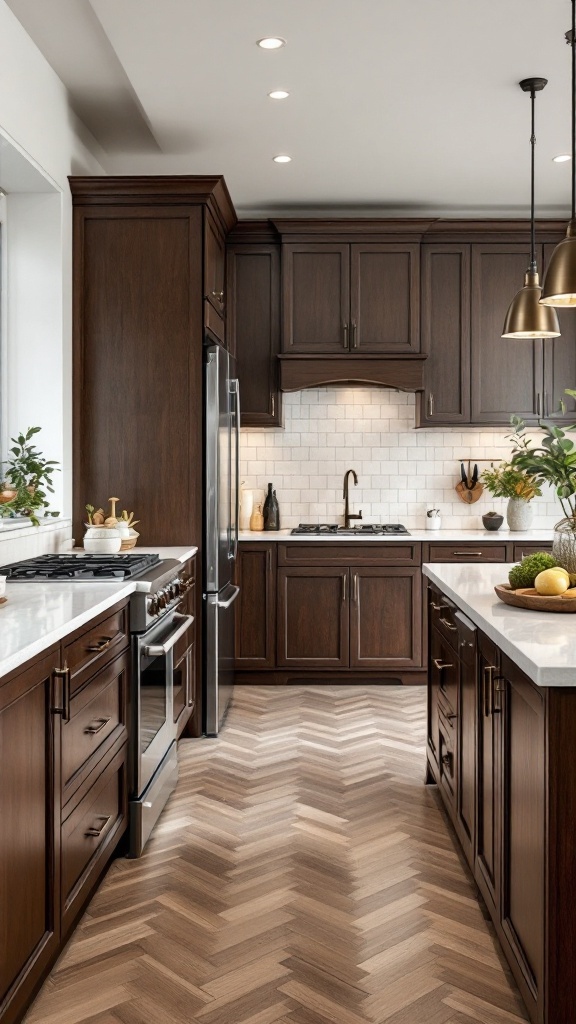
301,874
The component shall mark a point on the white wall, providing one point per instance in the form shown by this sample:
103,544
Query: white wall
41,143
401,471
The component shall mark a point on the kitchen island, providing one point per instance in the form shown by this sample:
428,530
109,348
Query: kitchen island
500,747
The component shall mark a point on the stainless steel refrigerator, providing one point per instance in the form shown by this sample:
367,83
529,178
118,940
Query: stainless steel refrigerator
221,469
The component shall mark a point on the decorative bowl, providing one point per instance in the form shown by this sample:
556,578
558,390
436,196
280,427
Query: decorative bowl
492,522
102,540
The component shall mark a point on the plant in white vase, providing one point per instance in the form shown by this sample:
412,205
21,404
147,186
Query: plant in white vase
519,486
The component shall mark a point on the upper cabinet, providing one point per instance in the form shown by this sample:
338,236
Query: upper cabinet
473,376
343,297
253,322
214,276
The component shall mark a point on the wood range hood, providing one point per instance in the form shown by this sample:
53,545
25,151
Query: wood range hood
401,372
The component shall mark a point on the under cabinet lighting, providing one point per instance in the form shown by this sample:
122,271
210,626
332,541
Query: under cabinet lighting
271,43
282,159
278,94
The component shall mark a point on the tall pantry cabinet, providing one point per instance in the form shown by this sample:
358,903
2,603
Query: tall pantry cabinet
149,262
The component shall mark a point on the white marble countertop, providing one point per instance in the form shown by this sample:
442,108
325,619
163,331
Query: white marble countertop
542,644
37,615
500,536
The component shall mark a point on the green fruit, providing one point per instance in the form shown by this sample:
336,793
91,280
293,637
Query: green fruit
523,575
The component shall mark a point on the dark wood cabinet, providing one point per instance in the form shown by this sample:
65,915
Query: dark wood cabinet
255,621
445,284
385,617
30,833
253,327
214,274
63,798
350,297
313,617
465,820
488,833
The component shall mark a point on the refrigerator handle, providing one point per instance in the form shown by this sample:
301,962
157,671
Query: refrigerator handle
235,491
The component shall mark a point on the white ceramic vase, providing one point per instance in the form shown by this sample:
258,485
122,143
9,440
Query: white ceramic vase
102,540
518,514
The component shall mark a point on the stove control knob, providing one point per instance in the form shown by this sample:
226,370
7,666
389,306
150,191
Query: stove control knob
153,606
176,589
161,598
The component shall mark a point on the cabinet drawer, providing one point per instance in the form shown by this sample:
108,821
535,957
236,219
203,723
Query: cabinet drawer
351,553
467,553
97,720
519,551
102,641
444,673
446,757
466,639
96,820
442,617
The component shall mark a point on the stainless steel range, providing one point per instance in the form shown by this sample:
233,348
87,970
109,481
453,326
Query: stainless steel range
156,626
366,530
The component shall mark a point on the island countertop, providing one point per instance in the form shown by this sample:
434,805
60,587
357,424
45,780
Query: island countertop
542,644
37,615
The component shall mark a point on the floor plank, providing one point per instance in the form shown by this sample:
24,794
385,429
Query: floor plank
301,874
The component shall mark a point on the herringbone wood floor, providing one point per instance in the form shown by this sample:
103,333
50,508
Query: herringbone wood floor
301,874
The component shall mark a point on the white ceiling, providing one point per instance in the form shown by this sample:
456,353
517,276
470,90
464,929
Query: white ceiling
396,106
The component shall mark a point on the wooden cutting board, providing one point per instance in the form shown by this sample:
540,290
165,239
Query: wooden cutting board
467,494
528,597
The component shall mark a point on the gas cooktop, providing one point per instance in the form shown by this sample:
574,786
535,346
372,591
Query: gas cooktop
92,568
366,530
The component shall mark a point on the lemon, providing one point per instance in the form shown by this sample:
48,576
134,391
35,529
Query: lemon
570,593
558,568
550,582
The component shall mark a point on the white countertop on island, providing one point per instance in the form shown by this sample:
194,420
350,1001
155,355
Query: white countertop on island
37,615
542,644
502,536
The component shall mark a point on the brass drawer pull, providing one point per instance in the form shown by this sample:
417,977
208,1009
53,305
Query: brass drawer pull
442,664
93,729
438,607
473,554
64,675
448,624
95,832
101,645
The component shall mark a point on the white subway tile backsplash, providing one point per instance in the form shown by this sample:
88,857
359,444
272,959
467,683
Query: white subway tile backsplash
401,471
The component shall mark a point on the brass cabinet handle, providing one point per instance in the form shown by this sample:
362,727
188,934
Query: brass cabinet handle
355,587
345,333
97,831
344,586
354,335
64,675
101,645
442,664
93,729
498,686
538,405
430,404
438,607
472,554
448,625
269,559
273,403
487,689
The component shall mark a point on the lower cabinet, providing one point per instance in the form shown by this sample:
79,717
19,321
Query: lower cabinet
255,621
313,617
511,802
63,797
385,617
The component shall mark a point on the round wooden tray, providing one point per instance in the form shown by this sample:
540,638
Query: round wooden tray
527,597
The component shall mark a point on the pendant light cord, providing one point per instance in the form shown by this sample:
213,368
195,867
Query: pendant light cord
532,211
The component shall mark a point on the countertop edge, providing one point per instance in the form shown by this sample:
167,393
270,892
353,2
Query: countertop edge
542,536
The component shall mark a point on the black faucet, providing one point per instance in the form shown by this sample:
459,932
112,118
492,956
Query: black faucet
347,514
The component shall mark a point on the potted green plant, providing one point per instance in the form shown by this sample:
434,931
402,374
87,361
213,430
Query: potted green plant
553,461
519,486
27,478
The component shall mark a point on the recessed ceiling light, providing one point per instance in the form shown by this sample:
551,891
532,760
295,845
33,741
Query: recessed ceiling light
282,159
561,159
278,94
271,43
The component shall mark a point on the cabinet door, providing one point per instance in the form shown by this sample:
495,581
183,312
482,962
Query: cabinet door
253,328
445,334
214,264
506,373
316,297
29,833
256,606
385,618
384,297
560,365
466,732
521,707
488,835
313,617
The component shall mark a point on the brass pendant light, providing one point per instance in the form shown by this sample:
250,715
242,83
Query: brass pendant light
526,316
559,285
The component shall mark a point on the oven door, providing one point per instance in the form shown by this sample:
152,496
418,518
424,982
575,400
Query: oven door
154,728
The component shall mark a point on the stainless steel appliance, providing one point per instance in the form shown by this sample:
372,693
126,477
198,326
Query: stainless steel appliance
366,530
221,469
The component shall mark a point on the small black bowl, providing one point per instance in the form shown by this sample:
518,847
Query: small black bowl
492,522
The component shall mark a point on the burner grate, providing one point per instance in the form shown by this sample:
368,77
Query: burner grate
78,568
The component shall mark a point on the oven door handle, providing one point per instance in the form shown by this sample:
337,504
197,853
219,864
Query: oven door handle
158,650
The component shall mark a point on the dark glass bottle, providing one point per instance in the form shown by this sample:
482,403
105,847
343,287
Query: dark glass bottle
271,510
